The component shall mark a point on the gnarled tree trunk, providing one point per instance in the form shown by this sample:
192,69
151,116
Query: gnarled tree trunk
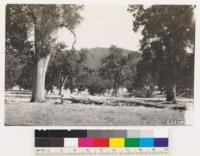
40,68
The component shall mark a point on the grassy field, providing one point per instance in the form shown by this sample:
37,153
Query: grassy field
113,112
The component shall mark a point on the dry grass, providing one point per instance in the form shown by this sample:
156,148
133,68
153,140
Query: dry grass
19,111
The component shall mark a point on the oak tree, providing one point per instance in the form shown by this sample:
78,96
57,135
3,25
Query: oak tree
168,32
42,20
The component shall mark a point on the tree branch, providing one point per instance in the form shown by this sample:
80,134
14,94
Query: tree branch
73,44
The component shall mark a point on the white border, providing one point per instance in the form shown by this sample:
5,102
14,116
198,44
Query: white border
23,136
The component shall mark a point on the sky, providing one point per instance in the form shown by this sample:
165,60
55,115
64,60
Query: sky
102,26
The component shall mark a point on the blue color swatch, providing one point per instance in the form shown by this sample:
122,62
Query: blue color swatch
146,142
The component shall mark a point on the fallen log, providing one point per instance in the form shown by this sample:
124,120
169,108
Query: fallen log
84,101
112,102
125,102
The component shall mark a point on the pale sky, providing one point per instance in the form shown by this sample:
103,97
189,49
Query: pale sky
102,26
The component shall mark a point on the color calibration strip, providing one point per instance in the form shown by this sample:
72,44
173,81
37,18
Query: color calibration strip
103,141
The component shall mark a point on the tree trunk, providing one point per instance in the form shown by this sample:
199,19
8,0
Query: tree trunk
73,85
116,88
171,92
171,78
62,85
40,68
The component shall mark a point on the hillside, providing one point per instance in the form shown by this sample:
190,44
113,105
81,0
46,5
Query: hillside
95,55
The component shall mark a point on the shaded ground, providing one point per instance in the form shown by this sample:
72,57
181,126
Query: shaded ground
112,111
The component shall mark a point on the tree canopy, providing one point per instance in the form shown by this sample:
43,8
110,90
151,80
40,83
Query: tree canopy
41,21
168,32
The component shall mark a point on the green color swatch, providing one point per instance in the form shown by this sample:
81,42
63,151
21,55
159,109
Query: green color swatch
131,142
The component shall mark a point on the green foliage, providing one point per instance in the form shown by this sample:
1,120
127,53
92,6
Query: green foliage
73,65
187,75
25,79
16,45
96,85
118,69
65,64
41,21
11,72
18,62
168,32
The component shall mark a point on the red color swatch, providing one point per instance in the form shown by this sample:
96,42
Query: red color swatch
101,142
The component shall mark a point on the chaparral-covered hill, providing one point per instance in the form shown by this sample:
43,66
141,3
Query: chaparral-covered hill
95,55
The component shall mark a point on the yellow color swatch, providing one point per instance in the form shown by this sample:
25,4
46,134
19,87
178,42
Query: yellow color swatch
116,142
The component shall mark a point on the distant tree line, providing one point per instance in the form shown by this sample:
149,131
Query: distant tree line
68,69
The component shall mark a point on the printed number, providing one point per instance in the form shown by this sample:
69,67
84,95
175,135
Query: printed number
175,122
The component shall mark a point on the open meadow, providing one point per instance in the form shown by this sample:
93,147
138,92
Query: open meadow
93,110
